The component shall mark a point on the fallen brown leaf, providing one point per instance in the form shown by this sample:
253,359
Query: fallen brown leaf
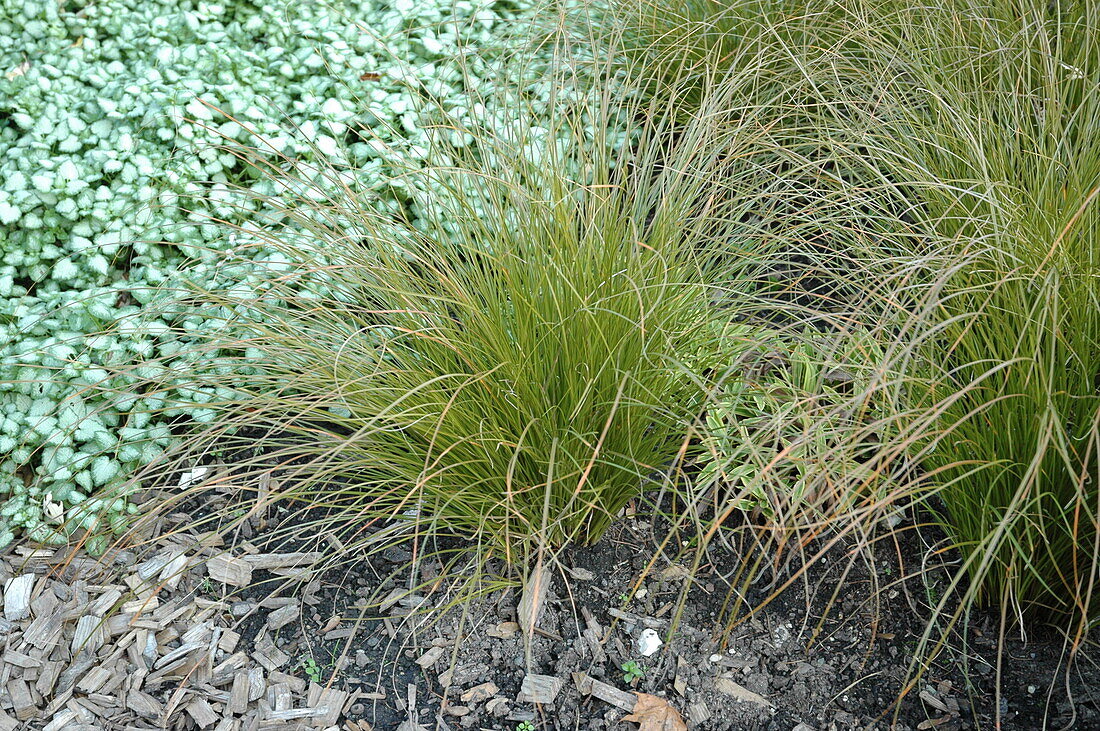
653,713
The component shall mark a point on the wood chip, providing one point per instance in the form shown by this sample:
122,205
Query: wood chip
479,693
228,570
106,602
143,704
44,632
95,649
89,636
271,561
296,684
228,641
740,692
256,684
533,599
270,656
93,680
172,572
201,713
431,657
47,678
283,616
21,660
17,597
238,697
698,713
21,699
607,693
279,696
332,702
539,689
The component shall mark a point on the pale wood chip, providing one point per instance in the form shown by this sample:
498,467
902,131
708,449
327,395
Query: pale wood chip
116,681
740,692
479,693
283,616
58,702
698,713
431,657
238,697
12,657
228,570
17,597
539,689
173,571
141,605
291,714
89,636
228,641
270,656
270,561
201,712
178,654
118,624
93,680
174,701
81,664
47,678
21,699
296,684
143,704
229,668
105,602
331,701
256,684
198,634
533,598
61,721
150,568
279,695
607,693
45,603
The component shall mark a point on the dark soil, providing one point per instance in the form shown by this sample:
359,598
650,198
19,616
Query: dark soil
832,651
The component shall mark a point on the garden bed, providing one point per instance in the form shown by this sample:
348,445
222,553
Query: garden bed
425,317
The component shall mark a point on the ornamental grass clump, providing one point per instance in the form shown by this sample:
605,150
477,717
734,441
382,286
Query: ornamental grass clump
986,135
507,367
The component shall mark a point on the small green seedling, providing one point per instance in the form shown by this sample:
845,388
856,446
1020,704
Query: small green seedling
312,669
632,671
525,726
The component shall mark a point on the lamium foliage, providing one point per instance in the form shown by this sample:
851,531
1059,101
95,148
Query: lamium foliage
118,121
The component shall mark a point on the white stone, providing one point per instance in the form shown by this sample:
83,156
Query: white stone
649,642
193,476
